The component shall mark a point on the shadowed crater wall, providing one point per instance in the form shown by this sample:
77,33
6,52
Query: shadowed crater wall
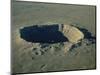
88,35
42,34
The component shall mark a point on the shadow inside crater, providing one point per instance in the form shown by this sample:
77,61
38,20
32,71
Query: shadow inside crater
88,35
42,34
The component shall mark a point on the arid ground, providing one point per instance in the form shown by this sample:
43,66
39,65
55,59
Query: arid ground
33,57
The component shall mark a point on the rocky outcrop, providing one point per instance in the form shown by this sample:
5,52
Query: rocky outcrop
73,34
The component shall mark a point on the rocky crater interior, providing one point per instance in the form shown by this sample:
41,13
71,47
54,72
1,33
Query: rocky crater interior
42,34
